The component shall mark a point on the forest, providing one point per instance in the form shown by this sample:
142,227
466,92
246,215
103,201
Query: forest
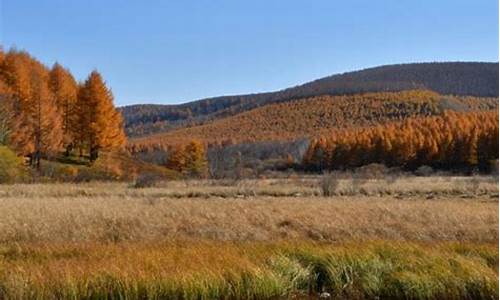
46,113
452,140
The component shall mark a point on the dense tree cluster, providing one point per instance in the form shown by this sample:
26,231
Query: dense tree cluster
312,116
44,111
453,140
189,159
456,78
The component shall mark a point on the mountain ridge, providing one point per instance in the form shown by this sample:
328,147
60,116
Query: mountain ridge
454,78
301,84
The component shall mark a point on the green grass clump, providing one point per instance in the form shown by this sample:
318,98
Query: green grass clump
220,270
406,270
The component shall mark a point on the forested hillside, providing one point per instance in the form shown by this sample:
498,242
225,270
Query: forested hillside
453,78
311,116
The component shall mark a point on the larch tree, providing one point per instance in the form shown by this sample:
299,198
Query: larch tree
6,114
101,125
16,73
196,161
176,158
83,118
35,123
65,89
43,116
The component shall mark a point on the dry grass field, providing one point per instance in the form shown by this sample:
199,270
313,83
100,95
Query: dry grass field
412,237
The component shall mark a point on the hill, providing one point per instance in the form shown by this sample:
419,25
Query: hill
312,116
451,78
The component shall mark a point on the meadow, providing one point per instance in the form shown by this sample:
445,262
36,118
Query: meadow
409,237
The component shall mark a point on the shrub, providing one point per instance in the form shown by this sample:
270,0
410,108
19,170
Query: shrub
247,187
372,171
11,166
424,171
357,180
473,184
55,171
146,180
87,174
329,183
108,167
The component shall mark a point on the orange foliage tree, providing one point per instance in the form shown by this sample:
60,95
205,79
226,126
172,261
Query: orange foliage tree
43,118
37,126
64,89
189,159
176,158
196,162
6,114
100,124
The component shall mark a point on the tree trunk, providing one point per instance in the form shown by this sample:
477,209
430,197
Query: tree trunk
94,153
37,160
69,148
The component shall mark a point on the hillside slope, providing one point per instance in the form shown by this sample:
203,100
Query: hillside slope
312,116
454,78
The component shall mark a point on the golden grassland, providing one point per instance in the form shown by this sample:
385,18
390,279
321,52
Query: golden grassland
412,237
407,209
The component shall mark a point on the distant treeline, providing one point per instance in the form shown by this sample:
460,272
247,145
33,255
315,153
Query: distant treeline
451,141
45,111
454,78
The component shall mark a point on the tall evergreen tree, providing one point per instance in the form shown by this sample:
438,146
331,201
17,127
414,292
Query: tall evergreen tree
196,162
64,89
101,124
44,119
35,123
6,113
176,158
16,73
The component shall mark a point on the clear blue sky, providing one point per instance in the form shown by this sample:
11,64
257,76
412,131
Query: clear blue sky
156,51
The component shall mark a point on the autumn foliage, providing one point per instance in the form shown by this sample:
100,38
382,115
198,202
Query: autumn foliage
310,117
100,124
189,159
65,89
450,78
45,111
452,140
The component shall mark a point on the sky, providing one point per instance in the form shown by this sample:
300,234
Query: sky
175,51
